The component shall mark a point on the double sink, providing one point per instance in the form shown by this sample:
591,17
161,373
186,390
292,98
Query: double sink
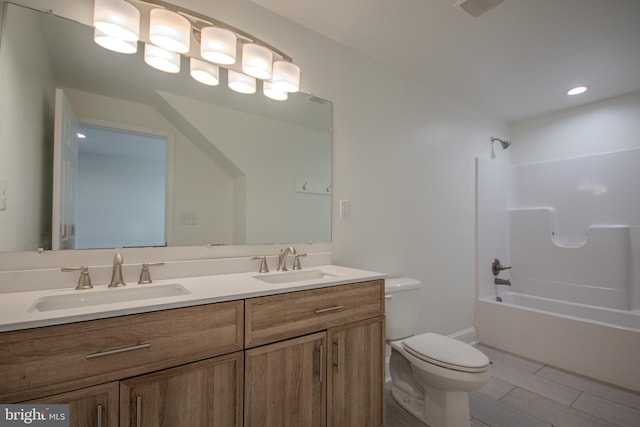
128,294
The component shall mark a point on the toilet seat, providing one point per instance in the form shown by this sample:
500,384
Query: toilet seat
446,352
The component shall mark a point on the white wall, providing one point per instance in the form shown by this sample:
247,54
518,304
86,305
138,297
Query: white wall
403,155
599,127
25,142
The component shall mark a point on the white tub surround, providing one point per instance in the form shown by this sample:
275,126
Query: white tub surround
206,281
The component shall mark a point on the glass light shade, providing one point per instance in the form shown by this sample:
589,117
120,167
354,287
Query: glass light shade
169,30
113,43
257,61
218,45
241,83
117,19
204,72
271,92
161,59
286,76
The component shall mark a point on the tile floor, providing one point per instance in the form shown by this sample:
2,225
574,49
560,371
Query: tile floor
523,393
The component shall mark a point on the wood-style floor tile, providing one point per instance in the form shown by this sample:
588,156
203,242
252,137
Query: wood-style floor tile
495,413
593,387
608,410
551,411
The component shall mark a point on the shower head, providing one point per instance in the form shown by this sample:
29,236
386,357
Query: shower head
505,144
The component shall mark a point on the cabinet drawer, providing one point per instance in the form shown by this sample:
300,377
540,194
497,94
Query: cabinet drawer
43,361
277,317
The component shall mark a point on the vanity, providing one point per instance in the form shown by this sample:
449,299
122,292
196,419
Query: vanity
236,350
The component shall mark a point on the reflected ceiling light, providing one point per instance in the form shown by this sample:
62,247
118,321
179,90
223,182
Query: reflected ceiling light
169,30
577,90
241,83
204,72
257,61
117,19
286,76
161,59
218,45
270,91
113,43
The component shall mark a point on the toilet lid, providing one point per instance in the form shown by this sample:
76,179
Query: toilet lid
446,352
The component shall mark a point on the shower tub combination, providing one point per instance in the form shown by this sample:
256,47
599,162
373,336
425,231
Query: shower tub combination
574,299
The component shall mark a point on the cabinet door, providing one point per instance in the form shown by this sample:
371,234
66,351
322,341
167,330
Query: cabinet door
285,383
89,407
207,393
356,374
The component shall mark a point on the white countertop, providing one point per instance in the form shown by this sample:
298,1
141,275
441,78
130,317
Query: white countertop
17,309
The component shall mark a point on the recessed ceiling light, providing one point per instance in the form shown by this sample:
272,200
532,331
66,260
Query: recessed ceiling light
81,135
577,90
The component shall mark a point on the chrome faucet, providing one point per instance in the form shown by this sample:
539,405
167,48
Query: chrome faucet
499,281
116,275
282,258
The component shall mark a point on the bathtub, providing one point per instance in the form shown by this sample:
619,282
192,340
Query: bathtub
597,342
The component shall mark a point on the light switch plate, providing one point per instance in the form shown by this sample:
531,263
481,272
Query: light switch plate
345,209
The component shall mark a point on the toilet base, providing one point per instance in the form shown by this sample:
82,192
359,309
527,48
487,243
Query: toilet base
436,408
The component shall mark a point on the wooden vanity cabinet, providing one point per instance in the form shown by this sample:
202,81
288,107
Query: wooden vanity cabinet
331,375
284,384
355,362
207,393
310,358
95,406
185,365
55,359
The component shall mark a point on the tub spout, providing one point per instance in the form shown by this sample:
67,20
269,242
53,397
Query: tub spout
499,281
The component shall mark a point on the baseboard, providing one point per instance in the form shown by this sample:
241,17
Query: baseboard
468,335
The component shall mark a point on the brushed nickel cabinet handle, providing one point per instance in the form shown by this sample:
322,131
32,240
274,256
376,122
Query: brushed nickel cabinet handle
99,415
138,411
328,309
117,351
336,362
321,361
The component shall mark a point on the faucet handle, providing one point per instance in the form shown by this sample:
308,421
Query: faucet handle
145,275
497,267
264,268
296,261
84,281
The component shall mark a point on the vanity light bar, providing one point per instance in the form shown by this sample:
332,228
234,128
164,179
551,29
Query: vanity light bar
171,29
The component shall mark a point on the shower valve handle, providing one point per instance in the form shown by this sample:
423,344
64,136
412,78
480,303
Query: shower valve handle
497,267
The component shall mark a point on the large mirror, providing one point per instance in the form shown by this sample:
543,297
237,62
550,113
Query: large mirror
226,168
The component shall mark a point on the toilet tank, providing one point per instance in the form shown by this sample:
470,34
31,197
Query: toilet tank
401,307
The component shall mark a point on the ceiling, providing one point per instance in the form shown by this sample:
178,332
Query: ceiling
514,61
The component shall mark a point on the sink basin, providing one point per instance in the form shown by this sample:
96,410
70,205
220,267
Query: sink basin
109,296
294,276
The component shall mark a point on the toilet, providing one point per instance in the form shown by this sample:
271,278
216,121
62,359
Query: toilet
431,374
